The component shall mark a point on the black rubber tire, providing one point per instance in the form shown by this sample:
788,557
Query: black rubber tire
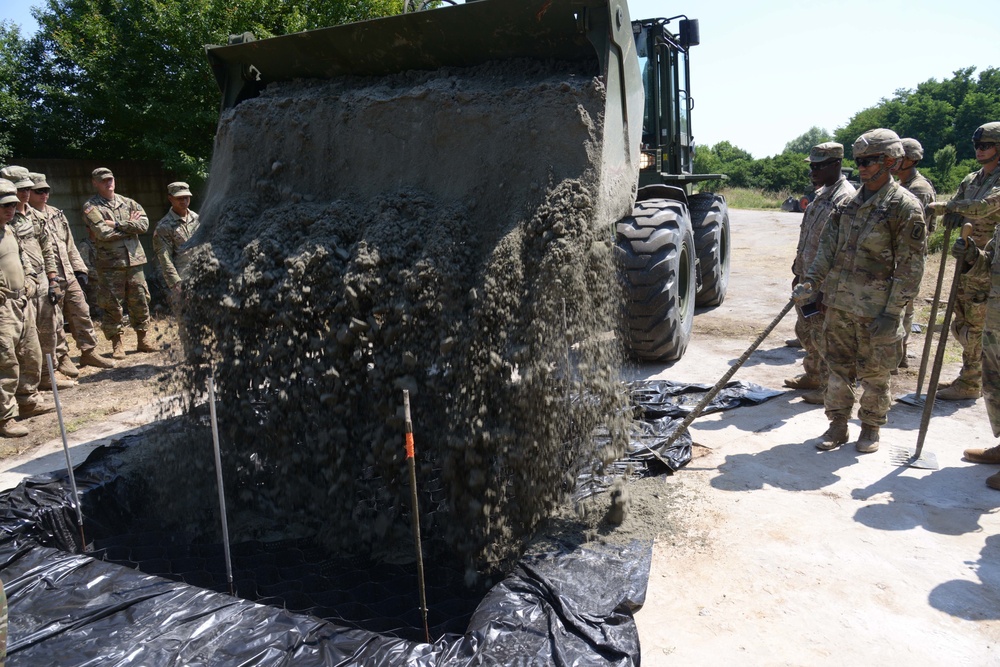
710,223
656,260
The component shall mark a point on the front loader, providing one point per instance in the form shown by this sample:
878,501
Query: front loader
672,244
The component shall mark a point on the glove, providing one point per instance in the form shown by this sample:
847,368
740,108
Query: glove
952,220
30,287
965,251
55,293
804,292
886,329
82,278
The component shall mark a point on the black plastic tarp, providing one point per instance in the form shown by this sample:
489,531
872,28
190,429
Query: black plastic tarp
567,605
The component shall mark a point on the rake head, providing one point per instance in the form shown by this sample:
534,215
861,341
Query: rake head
904,456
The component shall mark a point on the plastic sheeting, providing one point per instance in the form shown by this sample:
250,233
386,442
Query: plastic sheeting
564,606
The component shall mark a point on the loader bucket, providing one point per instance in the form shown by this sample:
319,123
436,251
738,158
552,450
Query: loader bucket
596,35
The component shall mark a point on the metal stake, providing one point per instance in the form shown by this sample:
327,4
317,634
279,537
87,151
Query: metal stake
69,463
416,512
218,475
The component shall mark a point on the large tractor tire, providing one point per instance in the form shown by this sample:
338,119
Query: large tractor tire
710,222
656,258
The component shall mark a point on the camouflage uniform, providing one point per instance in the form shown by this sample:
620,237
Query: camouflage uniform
29,227
923,190
809,330
987,267
870,261
18,338
172,232
977,201
68,264
119,260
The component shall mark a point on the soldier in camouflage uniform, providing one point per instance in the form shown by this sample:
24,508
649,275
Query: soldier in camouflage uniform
914,181
73,276
971,204
30,230
825,161
985,263
870,261
17,327
172,231
115,223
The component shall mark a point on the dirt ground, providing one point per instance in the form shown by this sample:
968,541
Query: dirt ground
101,394
767,551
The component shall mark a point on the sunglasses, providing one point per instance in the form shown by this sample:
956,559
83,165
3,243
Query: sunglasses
816,166
42,191
865,161
11,205
983,145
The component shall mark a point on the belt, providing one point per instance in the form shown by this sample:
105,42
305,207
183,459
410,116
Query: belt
13,293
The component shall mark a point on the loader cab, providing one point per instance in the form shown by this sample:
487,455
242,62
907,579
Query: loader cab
667,141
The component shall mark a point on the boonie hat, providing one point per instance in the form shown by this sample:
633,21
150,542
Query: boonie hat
8,193
828,150
38,181
912,150
17,175
101,173
179,189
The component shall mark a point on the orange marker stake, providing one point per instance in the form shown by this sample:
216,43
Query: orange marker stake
416,512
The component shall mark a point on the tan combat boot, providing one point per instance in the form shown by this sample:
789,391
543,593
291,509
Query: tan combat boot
61,383
993,481
959,390
117,348
11,429
868,440
91,358
804,381
814,397
67,367
991,455
34,408
143,345
836,435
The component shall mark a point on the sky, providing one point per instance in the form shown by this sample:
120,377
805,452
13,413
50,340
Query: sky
767,71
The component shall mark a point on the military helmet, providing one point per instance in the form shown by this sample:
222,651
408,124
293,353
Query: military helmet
912,150
878,142
987,132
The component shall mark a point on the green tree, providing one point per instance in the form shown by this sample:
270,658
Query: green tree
805,141
12,103
129,78
944,166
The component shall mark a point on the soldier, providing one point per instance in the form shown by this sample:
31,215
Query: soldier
825,162
74,277
16,325
972,203
31,234
986,263
870,261
914,181
172,231
115,223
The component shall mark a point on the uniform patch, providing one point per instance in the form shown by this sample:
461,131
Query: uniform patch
918,232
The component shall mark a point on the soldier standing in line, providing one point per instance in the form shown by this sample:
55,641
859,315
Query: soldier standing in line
914,181
16,325
980,263
172,231
972,203
825,161
870,261
115,223
31,234
72,273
